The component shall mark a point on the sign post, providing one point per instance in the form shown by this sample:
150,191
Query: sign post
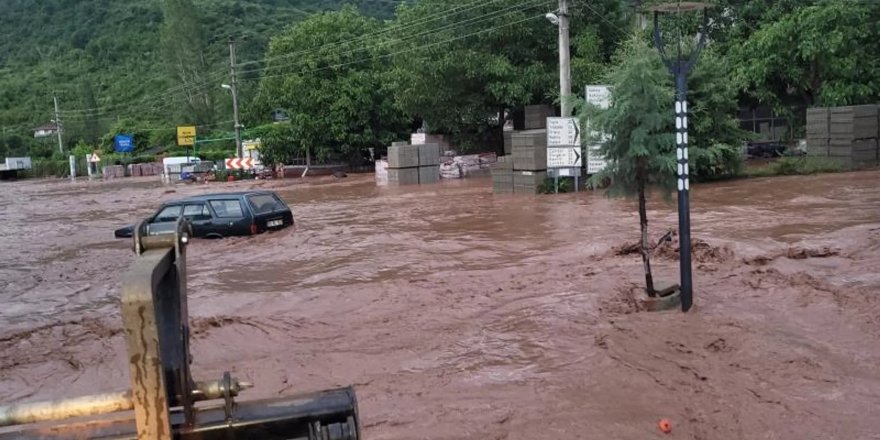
600,96
186,137
564,148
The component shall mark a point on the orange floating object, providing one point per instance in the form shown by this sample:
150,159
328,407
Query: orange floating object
665,426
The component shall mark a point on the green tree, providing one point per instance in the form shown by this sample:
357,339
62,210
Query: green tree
331,80
469,64
638,144
184,51
821,54
715,134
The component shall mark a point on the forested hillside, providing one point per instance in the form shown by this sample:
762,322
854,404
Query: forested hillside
106,62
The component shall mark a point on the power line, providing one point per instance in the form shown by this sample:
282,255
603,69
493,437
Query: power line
407,50
216,75
212,77
156,100
428,18
472,20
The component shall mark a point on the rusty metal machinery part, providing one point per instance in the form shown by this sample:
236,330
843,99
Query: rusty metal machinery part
163,394
98,404
289,418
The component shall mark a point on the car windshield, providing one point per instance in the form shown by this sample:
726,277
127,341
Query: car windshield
264,203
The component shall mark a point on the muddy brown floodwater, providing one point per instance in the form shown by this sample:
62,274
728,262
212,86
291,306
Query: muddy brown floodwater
458,314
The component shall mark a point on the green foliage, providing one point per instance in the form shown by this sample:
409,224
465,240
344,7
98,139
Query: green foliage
824,53
129,127
566,185
715,135
336,96
798,165
639,145
278,145
105,56
42,168
509,59
717,161
183,46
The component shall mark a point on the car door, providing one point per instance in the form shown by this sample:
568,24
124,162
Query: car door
230,218
200,218
165,221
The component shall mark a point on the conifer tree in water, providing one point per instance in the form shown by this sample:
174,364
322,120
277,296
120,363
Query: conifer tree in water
637,140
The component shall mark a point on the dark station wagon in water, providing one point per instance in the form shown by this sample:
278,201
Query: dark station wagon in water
221,215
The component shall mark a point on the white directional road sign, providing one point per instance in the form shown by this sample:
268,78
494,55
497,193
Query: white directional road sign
563,132
564,157
600,96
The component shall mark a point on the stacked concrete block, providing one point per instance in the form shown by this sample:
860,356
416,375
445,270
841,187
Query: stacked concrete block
818,132
151,169
536,116
134,170
113,171
403,156
529,154
429,174
853,122
429,163
528,182
529,150
502,175
403,176
508,135
413,164
853,135
854,154
429,154
848,134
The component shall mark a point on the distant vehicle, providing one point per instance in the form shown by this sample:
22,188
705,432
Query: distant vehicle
10,168
766,149
220,215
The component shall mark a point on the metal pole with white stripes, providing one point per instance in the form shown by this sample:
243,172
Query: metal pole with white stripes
680,67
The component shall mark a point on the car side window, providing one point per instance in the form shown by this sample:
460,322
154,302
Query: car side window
196,212
227,208
168,214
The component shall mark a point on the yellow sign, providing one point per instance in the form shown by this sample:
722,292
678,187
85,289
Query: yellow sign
250,145
186,135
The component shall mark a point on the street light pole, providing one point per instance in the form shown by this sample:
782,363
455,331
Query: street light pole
564,60
234,91
680,67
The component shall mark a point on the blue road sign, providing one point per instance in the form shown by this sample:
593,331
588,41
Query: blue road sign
124,143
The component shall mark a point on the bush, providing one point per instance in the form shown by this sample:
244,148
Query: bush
55,168
566,185
788,166
718,161
805,165
215,155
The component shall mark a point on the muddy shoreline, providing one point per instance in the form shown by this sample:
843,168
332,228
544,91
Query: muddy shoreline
459,314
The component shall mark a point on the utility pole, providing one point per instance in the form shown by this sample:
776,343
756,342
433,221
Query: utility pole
58,124
564,60
234,91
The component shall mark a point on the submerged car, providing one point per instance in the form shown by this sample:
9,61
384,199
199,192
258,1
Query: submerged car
221,215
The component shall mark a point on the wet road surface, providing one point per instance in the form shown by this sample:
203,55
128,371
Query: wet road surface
459,314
